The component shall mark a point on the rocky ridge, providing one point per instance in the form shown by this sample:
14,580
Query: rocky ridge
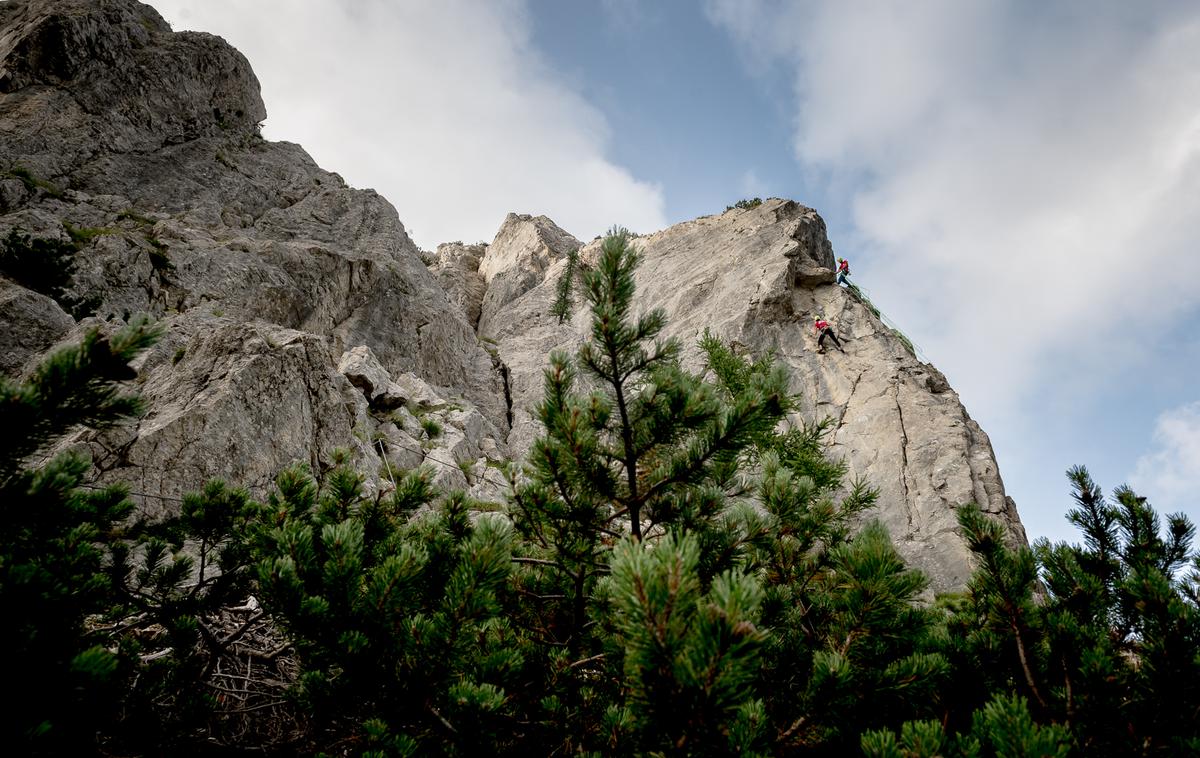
300,318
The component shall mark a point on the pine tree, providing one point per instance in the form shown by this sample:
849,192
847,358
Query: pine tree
631,438
106,609
1002,728
55,539
658,427
801,448
172,575
849,647
1101,638
43,265
691,658
563,302
1122,633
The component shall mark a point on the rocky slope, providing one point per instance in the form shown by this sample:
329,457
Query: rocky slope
300,317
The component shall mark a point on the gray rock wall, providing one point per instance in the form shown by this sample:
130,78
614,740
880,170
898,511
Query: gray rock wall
263,267
759,278
300,318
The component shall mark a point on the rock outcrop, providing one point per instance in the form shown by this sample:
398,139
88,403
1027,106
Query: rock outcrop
142,145
300,318
31,323
758,278
456,267
516,261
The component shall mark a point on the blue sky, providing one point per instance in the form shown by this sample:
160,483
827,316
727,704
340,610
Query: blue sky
671,86
1016,183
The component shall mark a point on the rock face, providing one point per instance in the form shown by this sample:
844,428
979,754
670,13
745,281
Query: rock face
31,323
144,145
759,278
456,267
516,261
300,318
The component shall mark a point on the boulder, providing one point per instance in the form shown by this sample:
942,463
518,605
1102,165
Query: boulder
362,368
32,322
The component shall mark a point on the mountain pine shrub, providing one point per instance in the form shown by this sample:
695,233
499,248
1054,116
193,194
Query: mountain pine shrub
1099,642
563,300
397,618
681,571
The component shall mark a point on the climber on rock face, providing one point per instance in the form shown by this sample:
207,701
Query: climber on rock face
843,271
825,330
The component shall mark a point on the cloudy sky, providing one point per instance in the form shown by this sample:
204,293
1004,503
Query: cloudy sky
1017,184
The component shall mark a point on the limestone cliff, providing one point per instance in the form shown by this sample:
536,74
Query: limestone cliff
144,144
758,278
300,317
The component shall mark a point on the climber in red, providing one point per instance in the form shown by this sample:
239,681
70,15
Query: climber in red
825,330
843,271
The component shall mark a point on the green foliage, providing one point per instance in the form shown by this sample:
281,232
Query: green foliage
467,467
1101,638
831,667
53,540
88,589
47,266
74,386
1003,727
85,235
746,204
786,543
562,299
691,658
849,646
632,443
801,448
431,427
682,571
168,578
398,621
33,183
657,430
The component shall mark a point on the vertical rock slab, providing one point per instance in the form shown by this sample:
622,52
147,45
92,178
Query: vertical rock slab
517,260
456,267
231,400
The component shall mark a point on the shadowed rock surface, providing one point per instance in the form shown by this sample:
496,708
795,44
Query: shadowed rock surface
300,318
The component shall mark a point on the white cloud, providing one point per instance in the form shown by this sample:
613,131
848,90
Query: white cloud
1024,176
750,185
1169,475
624,16
446,108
